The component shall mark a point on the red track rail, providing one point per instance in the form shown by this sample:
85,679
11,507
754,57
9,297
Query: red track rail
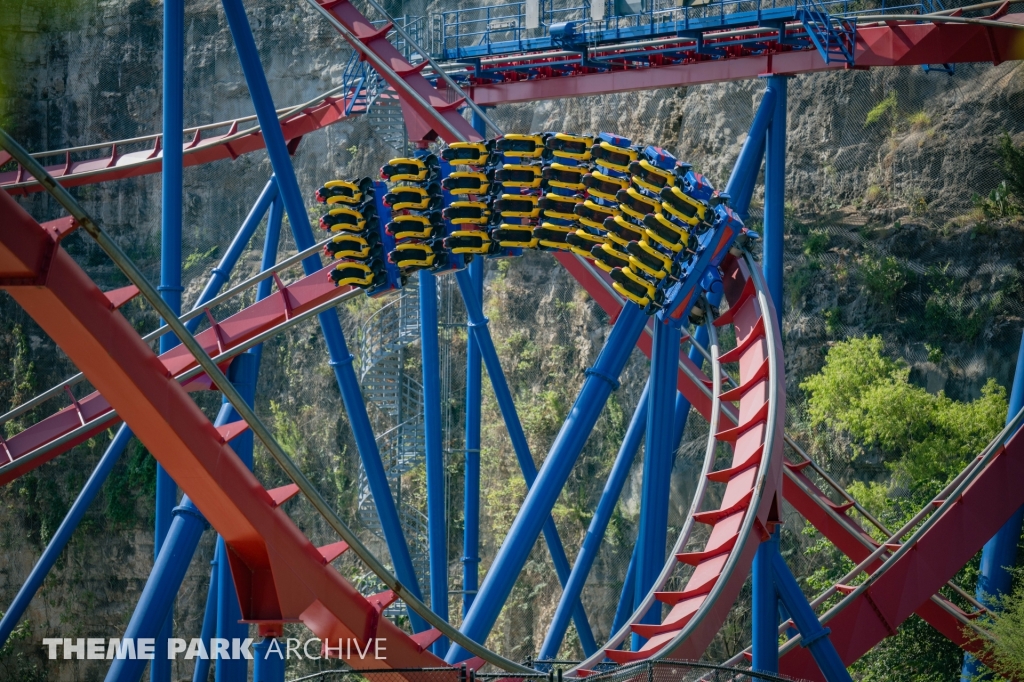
280,576
941,551
294,299
813,504
888,45
197,151
421,122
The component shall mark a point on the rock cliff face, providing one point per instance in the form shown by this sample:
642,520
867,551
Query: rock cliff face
884,236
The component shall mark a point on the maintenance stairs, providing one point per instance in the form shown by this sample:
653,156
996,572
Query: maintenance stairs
385,117
833,35
383,348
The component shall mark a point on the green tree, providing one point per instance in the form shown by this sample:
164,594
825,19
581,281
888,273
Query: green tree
924,439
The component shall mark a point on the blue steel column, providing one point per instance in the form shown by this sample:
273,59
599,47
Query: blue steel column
271,242
437,528
201,673
765,608
471,502
64,532
478,328
170,259
658,451
1000,552
775,193
474,381
812,635
601,379
624,609
268,664
598,525
341,358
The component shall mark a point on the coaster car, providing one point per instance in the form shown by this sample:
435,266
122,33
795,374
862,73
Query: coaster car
517,206
553,236
666,233
351,273
648,176
564,177
467,213
694,184
607,257
613,157
524,146
408,170
512,236
558,207
466,182
516,175
412,227
582,241
413,255
468,241
341,191
412,198
603,186
633,287
348,246
645,259
563,145
622,231
636,205
343,218
466,154
683,206
594,215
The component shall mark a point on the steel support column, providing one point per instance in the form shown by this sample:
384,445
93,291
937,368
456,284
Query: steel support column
341,358
474,381
601,379
437,527
749,160
1000,552
765,608
471,501
624,609
812,635
657,473
775,193
170,258
271,243
201,673
478,328
64,532
268,661
595,533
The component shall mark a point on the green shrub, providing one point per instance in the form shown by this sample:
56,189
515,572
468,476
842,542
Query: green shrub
1012,158
886,106
817,241
884,278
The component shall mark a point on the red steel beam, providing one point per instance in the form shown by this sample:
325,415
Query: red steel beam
279,574
888,45
943,549
119,166
302,295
